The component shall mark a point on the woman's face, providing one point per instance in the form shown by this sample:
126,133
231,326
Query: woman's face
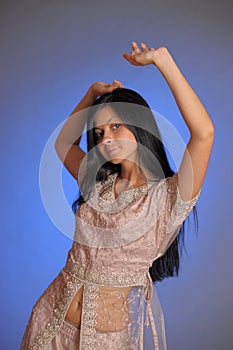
115,141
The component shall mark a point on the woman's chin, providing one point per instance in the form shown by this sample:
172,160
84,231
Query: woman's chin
115,160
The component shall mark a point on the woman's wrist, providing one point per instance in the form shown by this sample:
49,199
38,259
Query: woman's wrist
90,96
164,61
162,57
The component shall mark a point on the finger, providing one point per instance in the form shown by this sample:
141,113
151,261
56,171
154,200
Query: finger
130,59
118,83
111,88
127,57
135,47
144,47
113,84
151,49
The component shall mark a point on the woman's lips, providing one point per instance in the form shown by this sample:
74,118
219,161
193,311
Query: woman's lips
112,150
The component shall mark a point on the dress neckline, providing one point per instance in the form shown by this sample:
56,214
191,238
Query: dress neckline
107,200
133,190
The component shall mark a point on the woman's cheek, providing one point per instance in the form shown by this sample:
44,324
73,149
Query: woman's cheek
102,151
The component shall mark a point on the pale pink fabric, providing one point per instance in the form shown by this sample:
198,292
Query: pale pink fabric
116,241
68,336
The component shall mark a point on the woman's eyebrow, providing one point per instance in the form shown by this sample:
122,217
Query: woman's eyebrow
108,121
115,117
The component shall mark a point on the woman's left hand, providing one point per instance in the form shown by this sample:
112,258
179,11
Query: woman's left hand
144,56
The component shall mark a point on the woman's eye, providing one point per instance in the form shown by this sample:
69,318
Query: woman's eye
98,135
116,126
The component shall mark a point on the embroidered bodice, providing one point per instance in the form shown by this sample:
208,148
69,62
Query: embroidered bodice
134,229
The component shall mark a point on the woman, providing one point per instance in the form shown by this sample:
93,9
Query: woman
130,216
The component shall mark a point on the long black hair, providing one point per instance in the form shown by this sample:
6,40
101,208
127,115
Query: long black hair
136,114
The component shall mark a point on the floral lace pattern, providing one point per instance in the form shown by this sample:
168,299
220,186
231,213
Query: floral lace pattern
116,241
106,201
98,277
36,338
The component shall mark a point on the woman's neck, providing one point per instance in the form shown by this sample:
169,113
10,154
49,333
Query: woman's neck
130,177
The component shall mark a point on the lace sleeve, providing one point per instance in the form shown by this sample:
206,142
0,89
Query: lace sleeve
174,212
177,209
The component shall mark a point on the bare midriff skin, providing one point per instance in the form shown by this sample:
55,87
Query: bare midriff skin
75,309
112,309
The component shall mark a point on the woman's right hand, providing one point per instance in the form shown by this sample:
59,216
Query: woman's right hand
70,135
100,88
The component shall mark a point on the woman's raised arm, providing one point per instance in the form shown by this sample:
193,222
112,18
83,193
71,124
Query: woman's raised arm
195,160
67,142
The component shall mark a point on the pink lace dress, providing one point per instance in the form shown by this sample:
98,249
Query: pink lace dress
115,243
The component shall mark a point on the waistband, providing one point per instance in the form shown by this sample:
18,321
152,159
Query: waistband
98,277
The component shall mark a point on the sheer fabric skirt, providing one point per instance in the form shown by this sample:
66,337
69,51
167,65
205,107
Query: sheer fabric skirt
68,337
112,318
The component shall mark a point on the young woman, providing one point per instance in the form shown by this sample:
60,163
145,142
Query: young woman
130,216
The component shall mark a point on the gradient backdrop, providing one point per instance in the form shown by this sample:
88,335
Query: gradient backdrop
51,52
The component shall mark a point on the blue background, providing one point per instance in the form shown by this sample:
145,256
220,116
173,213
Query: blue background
51,52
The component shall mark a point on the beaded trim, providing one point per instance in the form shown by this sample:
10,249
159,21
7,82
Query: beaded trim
105,200
92,281
100,278
87,331
57,318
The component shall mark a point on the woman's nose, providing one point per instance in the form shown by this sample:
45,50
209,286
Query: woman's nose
107,138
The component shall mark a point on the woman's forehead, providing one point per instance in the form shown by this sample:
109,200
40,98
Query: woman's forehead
106,115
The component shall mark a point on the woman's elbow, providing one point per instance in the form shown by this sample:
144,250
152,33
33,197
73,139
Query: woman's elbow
207,134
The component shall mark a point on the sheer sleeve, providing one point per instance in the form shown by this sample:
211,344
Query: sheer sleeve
173,213
177,209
